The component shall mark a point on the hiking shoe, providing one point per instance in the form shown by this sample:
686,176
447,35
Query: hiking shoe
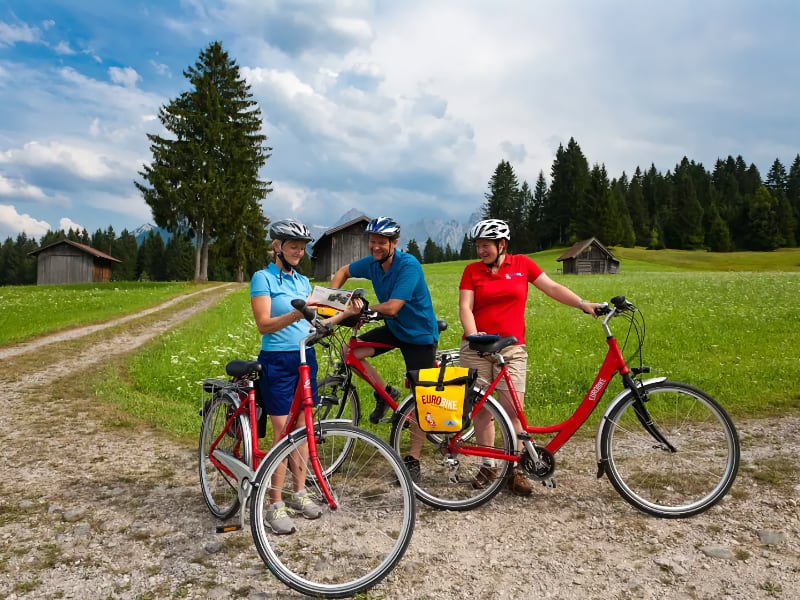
412,466
485,476
279,520
380,405
302,503
519,484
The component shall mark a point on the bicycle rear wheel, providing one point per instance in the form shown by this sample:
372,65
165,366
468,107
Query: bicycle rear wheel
456,481
352,548
220,489
657,480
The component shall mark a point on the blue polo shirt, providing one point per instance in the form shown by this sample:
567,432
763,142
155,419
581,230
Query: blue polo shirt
282,288
415,323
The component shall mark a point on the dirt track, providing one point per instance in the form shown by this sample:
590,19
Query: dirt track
92,507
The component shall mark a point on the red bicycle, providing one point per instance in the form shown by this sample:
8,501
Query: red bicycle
364,489
668,448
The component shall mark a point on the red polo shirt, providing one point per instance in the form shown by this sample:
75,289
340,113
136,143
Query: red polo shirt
499,305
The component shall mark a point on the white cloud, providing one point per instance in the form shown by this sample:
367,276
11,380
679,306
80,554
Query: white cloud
65,224
69,156
19,189
127,77
12,34
64,48
13,223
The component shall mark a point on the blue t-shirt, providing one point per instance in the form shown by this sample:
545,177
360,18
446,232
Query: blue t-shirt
282,288
415,323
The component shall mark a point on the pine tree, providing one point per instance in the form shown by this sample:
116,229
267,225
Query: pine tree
413,249
634,200
569,182
467,249
503,198
793,194
763,216
204,179
125,249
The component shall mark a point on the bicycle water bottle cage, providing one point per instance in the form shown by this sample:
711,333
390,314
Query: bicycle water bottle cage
240,368
490,343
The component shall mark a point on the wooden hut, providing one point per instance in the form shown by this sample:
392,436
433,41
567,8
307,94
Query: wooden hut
339,246
66,261
588,257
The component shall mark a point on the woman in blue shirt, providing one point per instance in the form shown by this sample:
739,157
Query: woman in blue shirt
282,328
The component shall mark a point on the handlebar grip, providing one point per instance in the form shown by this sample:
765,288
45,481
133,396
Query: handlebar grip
300,305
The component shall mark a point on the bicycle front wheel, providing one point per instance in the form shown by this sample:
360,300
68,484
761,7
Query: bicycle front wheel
348,549
220,489
451,479
654,478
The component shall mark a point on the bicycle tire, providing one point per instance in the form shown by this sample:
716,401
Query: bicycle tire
451,481
655,480
220,490
338,399
351,549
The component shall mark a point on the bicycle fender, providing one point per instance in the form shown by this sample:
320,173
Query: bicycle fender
611,405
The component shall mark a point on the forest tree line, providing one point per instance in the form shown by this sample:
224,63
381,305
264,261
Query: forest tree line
688,208
730,208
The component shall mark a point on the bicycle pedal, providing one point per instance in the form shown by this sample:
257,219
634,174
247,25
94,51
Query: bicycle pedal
228,528
550,482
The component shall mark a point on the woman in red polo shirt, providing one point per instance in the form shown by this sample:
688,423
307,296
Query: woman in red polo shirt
492,296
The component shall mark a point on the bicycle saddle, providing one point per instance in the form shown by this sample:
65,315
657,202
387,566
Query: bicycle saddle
490,343
240,368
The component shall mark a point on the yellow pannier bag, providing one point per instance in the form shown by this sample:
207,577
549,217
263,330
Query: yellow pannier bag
443,397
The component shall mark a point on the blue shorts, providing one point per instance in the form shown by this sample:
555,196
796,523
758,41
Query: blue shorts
279,377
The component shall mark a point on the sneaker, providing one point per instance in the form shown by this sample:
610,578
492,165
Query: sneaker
279,520
519,484
412,466
484,477
380,405
302,503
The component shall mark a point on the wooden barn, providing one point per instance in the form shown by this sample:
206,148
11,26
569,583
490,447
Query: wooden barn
339,246
66,261
588,257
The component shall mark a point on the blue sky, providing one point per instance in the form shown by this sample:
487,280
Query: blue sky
402,108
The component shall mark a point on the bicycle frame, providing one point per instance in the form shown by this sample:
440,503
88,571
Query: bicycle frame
613,363
302,403
355,365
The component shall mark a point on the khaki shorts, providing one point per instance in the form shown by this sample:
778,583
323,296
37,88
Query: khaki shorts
516,358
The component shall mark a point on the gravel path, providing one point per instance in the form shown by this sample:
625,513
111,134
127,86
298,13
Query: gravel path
93,506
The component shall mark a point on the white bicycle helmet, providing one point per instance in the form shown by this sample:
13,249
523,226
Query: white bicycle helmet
490,229
385,226
289,229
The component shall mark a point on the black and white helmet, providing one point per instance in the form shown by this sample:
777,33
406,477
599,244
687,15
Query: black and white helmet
490,229
289,229
385,226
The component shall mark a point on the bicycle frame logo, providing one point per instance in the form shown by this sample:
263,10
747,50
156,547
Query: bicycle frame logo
597,390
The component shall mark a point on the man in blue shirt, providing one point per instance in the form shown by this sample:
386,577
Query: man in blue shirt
402,294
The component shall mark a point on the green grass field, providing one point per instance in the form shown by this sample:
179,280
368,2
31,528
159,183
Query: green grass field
726,323
31,310
735,334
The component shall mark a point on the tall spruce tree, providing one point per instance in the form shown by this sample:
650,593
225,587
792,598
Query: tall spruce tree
793,194
569,182
503,197
204,178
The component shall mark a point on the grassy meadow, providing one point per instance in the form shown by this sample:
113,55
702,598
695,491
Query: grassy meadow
31,310
727,323
734,333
